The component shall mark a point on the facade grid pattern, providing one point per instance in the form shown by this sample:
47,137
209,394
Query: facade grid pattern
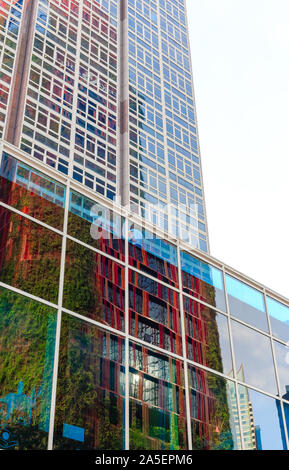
143,343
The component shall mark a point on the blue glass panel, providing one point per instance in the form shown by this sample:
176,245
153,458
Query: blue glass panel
263,427
253,358
279,318
246,303
153,255
201,270
152,244
282,361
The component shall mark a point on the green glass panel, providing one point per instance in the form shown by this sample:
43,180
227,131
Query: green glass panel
29,256
27,339
157,401
32,192
90,389
94,286
214,412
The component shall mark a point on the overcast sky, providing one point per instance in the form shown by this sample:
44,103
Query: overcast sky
240,55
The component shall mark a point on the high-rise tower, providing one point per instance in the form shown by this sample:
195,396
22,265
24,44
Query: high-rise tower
102,92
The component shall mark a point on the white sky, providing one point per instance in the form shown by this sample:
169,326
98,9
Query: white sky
240,55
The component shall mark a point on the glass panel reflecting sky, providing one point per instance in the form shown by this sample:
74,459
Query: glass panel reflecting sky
282,360
253,356
262,424
279,319
246,303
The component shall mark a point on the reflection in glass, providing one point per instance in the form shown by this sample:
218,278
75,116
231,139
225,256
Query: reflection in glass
94,286
27,336
154,313
279,319
153,255
207,336
254,360
282,360
29,256
95,225
157,401
262,423
32,192
286,416
203,281
246,303
90,388
214,414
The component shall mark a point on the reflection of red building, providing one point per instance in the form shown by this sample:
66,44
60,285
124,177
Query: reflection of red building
210,413
29,253
154,313
209,404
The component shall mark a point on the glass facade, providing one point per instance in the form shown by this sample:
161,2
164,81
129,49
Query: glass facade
148,346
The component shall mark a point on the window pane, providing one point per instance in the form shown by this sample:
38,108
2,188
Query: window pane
279,318
153,255
214,415
29,256
157,401
282,359
31,192
203,281
207,336
253,355
95,225
246,303
27,336
90,388
94,286
262,423
154,313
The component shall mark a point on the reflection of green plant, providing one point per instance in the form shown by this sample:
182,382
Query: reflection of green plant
110,437
153,429
28,437
214,430
80,228
81,396
27,332
32,257
81,290
31,203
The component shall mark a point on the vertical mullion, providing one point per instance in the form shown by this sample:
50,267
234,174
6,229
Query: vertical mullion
59,319
276,369
126,421
186,376
233,360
